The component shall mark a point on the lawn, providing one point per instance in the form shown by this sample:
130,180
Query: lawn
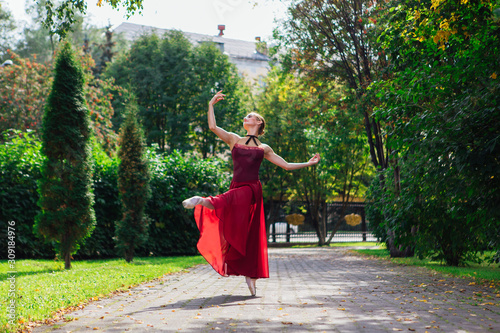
482,271
344,244
43,286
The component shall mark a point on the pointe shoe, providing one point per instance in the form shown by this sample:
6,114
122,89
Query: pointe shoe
191,202
251,285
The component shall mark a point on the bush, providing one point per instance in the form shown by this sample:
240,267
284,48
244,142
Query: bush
174,177
107,207
20,161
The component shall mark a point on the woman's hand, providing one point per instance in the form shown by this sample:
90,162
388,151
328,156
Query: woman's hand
314,160
217,97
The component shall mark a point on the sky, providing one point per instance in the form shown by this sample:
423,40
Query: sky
244,19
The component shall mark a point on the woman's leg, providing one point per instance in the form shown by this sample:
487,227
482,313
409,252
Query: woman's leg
196,200
251,285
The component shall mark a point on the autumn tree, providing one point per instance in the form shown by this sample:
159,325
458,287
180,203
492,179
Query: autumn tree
303,115
25,86
133,186
442,108
337,41
66,199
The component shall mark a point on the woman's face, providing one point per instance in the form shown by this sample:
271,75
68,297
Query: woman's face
251,120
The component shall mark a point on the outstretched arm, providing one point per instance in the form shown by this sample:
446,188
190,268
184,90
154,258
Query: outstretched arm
274,158
227,137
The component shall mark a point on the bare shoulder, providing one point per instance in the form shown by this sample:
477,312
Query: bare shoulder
233,138
267,149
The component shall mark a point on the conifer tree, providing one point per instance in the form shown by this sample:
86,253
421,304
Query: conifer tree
133,186
66,199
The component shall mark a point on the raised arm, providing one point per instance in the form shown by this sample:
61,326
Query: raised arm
274,158
227,137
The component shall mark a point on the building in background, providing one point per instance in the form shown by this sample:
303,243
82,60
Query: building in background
251,64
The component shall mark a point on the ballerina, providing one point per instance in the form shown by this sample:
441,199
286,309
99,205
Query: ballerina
232,225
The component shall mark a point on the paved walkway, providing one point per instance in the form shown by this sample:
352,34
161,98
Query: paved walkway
310,290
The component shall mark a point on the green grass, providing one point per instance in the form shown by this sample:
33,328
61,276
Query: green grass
354,244
43,286
482,271
342,244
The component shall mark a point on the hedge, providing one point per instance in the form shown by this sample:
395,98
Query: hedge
174,177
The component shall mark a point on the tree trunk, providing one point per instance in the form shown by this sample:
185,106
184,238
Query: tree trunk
67,260
65,251
398,252
318,224
129,254
339,222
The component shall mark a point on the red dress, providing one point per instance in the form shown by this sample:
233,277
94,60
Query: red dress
233,235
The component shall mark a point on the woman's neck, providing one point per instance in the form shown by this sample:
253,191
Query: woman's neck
253,133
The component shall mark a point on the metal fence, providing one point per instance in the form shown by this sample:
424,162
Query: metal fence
311,237
282,232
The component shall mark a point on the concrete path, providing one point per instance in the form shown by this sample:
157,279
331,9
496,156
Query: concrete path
310,290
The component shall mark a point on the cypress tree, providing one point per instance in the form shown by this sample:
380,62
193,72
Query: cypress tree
66,200
133,186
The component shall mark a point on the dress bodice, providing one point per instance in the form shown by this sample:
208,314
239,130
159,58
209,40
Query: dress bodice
246,162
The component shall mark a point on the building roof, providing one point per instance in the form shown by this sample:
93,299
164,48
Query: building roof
234,48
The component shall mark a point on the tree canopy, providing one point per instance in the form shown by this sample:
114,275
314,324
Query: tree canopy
60,15
67,216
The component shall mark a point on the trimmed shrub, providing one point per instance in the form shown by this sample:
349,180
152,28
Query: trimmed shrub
20,161
174,177
66,200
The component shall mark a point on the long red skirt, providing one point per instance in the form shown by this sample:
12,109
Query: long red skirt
233,235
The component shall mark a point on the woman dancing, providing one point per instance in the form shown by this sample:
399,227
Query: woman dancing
232,225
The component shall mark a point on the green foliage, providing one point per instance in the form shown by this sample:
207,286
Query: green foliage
107,206
306,117
175,177
173,82
133,186
442,107
60,17
20,162
331,40
212,72
158,72
66,200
